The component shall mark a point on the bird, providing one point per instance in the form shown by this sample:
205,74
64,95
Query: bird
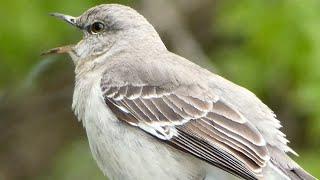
152,114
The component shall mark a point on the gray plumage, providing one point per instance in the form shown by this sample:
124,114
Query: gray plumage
150,113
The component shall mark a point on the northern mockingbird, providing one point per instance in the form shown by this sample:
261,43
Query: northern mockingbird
151,114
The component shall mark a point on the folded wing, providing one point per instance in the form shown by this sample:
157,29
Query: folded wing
211,130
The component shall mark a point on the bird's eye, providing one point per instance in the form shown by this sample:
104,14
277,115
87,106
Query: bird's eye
96,27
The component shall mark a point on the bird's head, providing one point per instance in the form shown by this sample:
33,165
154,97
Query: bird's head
104,26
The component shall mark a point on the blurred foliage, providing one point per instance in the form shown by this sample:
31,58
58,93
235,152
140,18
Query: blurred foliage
73,163
271,47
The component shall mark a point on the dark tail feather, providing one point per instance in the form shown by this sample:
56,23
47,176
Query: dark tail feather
282,161
301,174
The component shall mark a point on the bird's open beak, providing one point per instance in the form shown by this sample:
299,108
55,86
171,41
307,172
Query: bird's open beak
69,19
64,49
58,50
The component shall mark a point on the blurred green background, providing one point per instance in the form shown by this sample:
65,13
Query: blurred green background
271,47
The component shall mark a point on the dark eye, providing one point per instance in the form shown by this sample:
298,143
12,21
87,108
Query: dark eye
96,27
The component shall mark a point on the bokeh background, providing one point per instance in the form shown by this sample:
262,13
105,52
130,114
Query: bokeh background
271,47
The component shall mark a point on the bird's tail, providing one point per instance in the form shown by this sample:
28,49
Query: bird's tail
286,165
301,174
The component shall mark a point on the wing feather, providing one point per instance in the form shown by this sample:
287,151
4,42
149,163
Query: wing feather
233,146
145,109
209,129
212,154
166,110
